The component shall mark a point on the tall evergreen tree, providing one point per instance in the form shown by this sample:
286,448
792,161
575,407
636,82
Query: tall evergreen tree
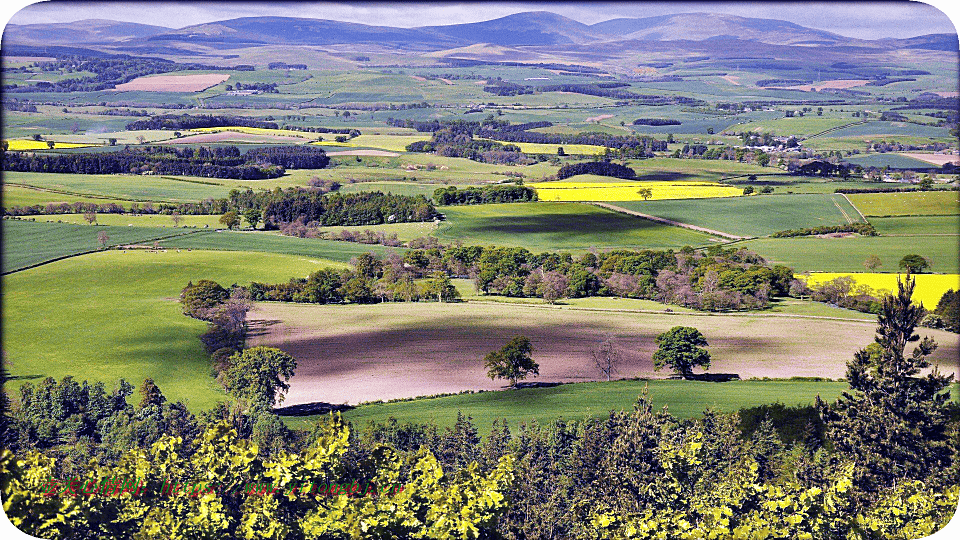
894,424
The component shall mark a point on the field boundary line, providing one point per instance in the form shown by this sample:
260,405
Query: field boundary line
672,313
622,210
842,211
71,255
865,220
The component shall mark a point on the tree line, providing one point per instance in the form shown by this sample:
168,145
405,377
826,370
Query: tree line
216,162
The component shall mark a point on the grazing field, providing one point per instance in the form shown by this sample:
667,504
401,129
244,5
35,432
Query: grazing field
552,149
173,83
23,144
581,189
929,288
758,215
115,314
546,226
350,354
921,203
135,220
397,188
684,399
124,187
917,225
26,243
310,248
25,196
893,161
811,254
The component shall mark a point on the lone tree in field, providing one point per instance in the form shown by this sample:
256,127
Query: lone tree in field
914,264
607,357
872,263
177,219
646,193
230,219
512,361
894,424
103,239
259,375
90,217
681,350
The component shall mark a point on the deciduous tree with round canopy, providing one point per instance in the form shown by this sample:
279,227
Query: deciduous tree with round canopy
512,361
681,349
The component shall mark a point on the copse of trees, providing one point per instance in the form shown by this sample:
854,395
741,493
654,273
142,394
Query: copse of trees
600,168
365,208
716,280
656,122
503,193
864,229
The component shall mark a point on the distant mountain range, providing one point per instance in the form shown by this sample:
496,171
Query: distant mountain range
532,29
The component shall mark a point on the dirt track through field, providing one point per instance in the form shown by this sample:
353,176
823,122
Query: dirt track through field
669,221
350,353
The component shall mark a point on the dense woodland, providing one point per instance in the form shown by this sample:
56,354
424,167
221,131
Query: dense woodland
503,193
768,472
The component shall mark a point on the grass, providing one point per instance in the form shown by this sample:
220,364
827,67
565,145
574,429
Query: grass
26,243
115,314
759,215
275,243
921,203
581,189
929,287
24,196
546,226
397,188
684,399
894,161
142,220
810,254
917,225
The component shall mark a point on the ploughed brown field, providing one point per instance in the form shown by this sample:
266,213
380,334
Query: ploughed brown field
350,354
174,83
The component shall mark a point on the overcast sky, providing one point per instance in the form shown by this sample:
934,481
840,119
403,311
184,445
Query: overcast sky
868,20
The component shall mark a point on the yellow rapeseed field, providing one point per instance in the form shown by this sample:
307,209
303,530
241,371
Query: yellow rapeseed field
27,144
929,288
629,191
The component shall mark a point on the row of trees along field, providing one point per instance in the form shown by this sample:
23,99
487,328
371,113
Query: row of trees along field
715,280
216,162
283,206
769,472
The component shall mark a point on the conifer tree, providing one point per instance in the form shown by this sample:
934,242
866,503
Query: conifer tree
894,423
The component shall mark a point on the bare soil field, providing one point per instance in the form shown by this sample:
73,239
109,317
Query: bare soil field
232,136
350,354
174,83
598,118
936,159
383,153
835,84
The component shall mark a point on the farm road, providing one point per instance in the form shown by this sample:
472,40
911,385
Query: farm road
669,221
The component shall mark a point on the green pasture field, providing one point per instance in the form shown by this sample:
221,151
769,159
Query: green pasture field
134,220
879,129
26,243
128,187
804,126
848,254
558,227
894,161
712,170
115,314
758,215
917,225
22,196
397,188
921,203
310,248
683,399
